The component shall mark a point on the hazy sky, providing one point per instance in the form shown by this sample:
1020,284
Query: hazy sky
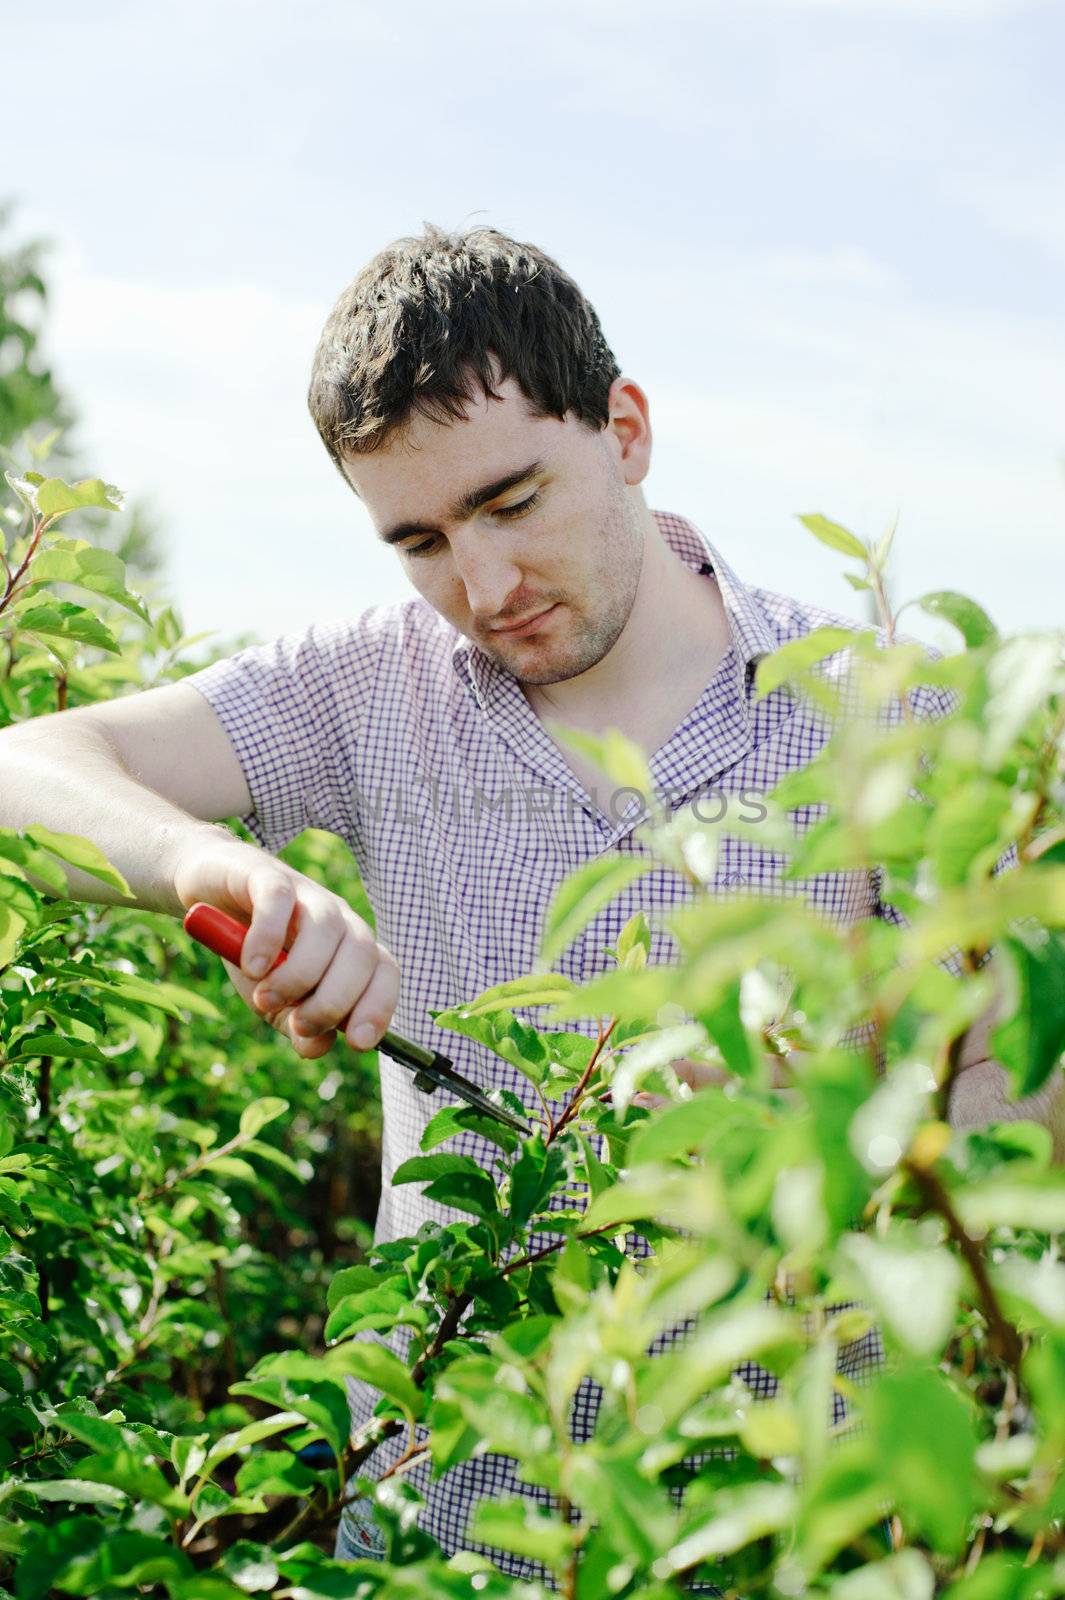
826,236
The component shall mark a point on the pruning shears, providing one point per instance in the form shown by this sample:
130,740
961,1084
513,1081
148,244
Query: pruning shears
225,936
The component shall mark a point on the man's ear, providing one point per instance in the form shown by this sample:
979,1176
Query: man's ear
629,428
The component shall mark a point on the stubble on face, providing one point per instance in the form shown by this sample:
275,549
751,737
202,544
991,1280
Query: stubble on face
587,626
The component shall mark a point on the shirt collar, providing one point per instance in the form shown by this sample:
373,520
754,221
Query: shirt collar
752,636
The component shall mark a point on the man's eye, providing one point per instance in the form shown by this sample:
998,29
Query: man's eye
521,508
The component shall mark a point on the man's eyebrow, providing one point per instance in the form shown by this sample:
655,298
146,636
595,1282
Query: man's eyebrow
468,504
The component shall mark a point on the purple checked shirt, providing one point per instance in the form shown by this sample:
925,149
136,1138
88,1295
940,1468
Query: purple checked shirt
394,732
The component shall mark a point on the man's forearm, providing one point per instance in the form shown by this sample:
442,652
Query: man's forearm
980,1094
71,779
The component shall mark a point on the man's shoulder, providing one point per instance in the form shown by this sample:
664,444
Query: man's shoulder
377,637
790,618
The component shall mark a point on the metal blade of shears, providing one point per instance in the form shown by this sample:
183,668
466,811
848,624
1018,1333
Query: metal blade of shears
225,936
434,1071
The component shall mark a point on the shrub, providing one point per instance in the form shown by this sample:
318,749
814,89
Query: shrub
152,1223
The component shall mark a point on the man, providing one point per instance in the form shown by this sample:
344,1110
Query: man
465,391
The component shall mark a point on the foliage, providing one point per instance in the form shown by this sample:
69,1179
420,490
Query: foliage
32,405
150,1168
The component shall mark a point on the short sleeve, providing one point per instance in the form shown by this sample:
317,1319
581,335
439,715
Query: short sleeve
291,710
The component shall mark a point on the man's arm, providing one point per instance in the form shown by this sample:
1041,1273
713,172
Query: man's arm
980,1092
144,778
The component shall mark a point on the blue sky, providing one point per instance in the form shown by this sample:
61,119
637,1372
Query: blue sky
826,236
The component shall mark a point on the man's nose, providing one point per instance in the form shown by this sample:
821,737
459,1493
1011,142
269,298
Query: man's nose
489,575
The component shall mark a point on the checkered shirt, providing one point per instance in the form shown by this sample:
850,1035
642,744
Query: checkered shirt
396,733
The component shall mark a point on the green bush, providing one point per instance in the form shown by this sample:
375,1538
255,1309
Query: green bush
157,1238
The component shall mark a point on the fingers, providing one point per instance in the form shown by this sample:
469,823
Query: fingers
280,1018
336,975
370,1018
272,901
650,1102
698,1074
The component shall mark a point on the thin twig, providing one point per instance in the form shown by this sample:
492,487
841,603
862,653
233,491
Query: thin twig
1004,1338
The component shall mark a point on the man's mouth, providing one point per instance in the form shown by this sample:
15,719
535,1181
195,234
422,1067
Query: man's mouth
526,625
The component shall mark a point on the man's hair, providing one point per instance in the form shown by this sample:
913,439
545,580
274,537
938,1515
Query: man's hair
431,321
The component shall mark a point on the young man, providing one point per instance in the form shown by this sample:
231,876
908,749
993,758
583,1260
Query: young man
465,391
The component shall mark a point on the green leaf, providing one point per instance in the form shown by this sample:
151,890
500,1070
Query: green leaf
80,853
422,1169
64,620
352,1280
250,1566
660,1050
964,825
533,1177
971,620
922,1432
135,1473
678,1128
255,1116
377,1365
82,1555
634,943
453,1120
520,1527
794,659
618,757
502,1033
465,1191
99,1434
1029,1041
1003,1576
34,1045
322,1402
913,1288
583,894
1023,1196
540,989
275,1472
231,1444
833,535
739,1517
906,1576
385,1306
75,562
74,1491
638,1513
724,1024
54,498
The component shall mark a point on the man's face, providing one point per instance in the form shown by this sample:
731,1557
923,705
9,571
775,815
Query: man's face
557,544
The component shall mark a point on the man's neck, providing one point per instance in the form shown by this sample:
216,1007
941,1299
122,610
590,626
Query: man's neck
675,636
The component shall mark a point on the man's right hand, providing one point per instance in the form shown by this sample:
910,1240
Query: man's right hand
336,975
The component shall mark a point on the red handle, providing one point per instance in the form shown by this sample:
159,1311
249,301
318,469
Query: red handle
220,932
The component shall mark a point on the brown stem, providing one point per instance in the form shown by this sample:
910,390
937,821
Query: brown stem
1004,1339
549,1249
412,1453
44,1087
197,1166
44,1290
14,577
61,692
573,1105
943,1093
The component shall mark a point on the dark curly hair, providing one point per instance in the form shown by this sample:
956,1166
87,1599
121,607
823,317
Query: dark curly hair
431,320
